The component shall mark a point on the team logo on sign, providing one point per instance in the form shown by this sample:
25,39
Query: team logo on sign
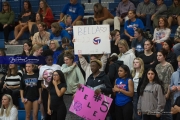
96,40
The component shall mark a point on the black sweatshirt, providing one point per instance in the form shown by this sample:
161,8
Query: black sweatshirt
101,81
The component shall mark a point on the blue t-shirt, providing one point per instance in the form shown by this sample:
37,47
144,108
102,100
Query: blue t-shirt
64,26
73,10
122,99
63,33
130,28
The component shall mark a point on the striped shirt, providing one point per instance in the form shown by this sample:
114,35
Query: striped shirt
13,80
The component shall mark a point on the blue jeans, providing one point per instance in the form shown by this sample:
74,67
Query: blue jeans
176,49
147,21
167,109
158,46
135,102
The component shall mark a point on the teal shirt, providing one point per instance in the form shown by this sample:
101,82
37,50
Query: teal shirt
7,18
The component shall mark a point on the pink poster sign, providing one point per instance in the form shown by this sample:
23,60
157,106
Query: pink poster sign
90,106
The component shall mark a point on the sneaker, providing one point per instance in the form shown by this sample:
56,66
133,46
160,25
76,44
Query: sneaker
15,42
11,42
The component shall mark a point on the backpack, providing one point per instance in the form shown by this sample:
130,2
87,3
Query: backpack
90,21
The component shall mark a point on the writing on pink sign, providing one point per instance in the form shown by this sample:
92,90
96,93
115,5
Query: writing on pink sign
90,106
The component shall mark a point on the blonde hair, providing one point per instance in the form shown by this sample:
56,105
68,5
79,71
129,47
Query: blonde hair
7,112
141,69
123,43
178,58
36,47
56,43
64,19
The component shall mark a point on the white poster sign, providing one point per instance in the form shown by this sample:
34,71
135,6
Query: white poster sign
91,39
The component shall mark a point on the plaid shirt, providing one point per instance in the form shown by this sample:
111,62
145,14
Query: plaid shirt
177,34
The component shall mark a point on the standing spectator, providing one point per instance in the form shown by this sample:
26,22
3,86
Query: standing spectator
8,111
144,11
34,27
73,77
161,33
165,70
174,13
138,43
175,83
151,101
58,32
46,12
115,38
45,75
130,26
42,37
122,13
176,47
6,20
149,57
171,57
12,83
31,92
161,11
102,15
57,87
137,75
27,15
124,89
126,55
74,9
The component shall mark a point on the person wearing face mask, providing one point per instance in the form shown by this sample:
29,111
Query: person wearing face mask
45,75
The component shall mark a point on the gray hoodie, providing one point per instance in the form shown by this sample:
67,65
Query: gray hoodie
175,81
152,101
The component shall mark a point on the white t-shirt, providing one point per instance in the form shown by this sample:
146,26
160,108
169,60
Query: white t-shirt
12,116
136,81
45,73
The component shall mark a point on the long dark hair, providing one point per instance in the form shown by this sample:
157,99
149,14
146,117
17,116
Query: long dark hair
61,76
146,81
99,8
30,45
29,5
126,69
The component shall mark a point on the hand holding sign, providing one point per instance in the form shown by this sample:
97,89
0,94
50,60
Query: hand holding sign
90,106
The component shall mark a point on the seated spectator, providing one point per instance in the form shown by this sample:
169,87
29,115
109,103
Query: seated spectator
174,13
74,9
138,43
34,28
8,111
130,26
58,50
26,16
37,50
102,15
175,83
79,23
126,55
58,33
144,11
149,57
66,24
175,109
171,57
115,38
161,33
12,83
3,67
46,12
122,13
27,47
42,37
6,20
176,47
161,11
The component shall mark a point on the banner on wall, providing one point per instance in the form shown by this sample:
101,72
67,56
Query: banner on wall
91,39
90,106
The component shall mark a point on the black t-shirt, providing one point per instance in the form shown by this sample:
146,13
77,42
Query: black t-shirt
30,84
55,100
177,102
